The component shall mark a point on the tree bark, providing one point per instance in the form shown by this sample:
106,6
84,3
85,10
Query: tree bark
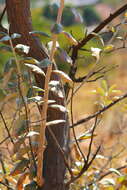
19,17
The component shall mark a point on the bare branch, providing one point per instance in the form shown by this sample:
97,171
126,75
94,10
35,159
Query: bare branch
5,125
99,112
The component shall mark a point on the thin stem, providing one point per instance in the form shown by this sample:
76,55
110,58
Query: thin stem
72,121
5,125
40,179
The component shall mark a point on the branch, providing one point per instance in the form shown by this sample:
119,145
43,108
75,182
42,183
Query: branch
40,179
99,112
86,39
101,26
5,125
84,169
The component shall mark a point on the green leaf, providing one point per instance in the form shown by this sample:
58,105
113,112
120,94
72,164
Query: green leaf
39,33
108,48
101,91
35,69
29,60
112,88
104,85
19,167
57,28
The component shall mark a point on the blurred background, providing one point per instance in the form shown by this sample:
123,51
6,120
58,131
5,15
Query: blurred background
81,17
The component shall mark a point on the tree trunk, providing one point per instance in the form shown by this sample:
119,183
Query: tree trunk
19,17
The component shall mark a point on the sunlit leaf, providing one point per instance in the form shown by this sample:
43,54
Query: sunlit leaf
37,89
100,91
53,83
104,85
70,38
112,88
113,170
96,52
35,99
55,122
58,107
32,133
51,43
85,136
22,48
29,60
19,167
63,76
107,181
35,68
108,48
125,14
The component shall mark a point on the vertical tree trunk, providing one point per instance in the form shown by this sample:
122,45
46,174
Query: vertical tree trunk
19,17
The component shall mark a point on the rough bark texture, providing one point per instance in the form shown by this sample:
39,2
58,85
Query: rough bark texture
19,18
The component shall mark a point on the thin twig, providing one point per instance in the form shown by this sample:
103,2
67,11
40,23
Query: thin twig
5,125
99,112
106,173
4,140
72,122
91,140
84,169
